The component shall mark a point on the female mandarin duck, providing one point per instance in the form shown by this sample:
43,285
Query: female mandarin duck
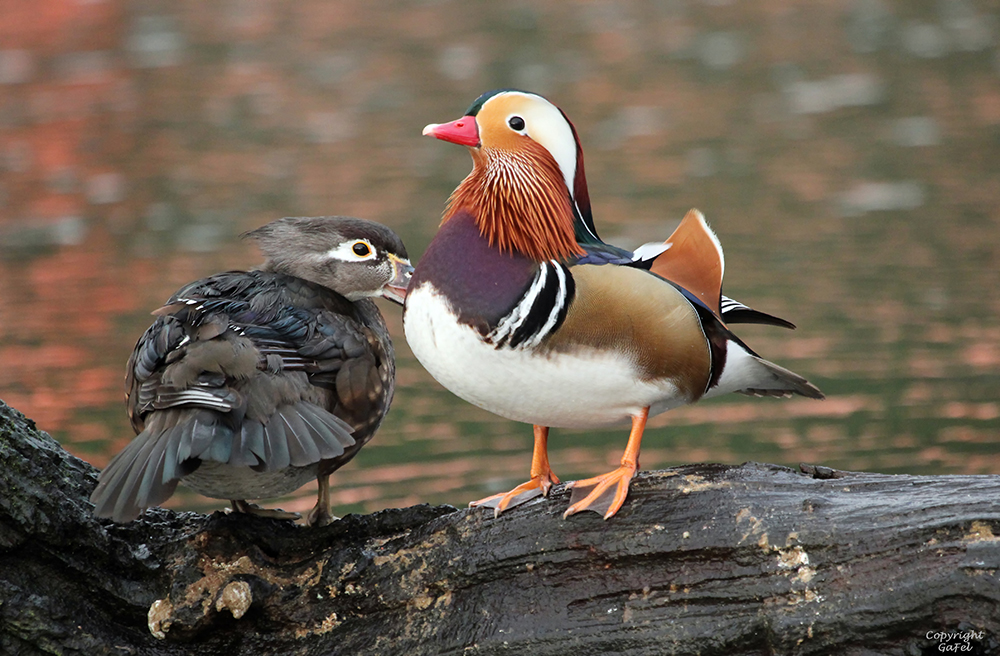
519,308
249,384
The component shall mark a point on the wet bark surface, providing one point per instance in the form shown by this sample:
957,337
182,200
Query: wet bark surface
702,559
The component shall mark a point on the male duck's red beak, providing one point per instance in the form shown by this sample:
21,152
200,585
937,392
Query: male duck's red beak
462,131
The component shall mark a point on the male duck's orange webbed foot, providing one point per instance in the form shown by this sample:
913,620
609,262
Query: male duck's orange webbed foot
542,479
605,494
538,486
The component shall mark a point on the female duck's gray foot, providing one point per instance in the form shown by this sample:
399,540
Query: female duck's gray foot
273,513
320,515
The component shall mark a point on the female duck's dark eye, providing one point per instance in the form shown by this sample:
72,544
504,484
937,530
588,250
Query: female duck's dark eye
516,123
361,249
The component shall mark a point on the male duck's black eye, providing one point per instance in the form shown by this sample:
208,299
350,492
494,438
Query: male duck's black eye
516,123
361,249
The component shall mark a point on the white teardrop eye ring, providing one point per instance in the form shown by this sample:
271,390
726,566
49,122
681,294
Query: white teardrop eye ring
516,123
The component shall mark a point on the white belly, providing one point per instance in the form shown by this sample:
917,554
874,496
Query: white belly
583,390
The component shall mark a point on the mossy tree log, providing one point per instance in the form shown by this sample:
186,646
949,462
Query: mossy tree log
703,559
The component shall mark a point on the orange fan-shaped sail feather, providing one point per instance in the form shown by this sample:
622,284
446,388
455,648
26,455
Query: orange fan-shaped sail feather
694,260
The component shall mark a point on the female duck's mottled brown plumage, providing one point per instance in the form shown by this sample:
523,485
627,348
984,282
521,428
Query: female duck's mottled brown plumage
250,384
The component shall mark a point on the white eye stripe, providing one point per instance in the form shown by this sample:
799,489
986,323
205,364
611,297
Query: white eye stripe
345,251
544,123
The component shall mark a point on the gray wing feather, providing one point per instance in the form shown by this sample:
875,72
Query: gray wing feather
276,443
302,449
248,445
129,483
333,433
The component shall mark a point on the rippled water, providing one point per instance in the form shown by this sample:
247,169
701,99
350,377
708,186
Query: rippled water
847,154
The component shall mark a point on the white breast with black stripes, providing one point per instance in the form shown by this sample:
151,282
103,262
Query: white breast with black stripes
540,311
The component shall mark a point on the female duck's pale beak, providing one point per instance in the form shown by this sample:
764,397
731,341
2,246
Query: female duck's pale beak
462,131
395,289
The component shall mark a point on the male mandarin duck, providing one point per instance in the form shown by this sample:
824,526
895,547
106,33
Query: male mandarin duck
249,384
518,307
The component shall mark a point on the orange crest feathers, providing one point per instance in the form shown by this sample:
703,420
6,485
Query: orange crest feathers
520,202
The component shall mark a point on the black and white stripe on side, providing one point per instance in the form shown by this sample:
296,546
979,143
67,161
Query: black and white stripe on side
540,311
732,311
731,304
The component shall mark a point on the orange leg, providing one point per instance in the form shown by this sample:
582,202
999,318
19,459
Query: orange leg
606,493
542,478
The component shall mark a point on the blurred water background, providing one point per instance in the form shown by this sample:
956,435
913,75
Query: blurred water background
847,153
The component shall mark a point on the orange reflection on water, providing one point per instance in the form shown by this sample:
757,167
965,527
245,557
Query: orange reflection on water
852,180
